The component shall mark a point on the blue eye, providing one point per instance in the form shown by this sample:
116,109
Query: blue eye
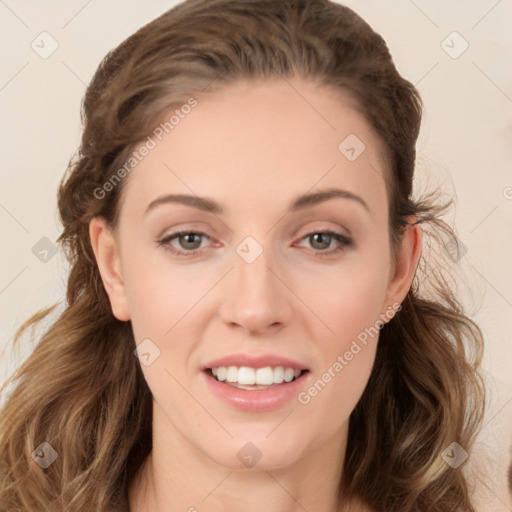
321,241
190,242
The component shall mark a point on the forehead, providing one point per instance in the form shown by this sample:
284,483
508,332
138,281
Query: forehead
269,138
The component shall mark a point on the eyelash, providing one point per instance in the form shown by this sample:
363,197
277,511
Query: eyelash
342,239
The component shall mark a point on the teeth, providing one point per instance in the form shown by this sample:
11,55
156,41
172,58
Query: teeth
255,376
232,374
264,376
289,373
278,375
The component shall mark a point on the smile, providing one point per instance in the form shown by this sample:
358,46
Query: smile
246,377
255,389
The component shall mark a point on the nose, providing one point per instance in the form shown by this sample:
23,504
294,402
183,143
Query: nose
256,298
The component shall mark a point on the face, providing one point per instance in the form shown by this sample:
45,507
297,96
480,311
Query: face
284,262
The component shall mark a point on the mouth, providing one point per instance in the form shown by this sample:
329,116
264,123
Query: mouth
255,383
249,378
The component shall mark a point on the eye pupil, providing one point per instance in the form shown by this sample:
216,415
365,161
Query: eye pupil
323,238
189,240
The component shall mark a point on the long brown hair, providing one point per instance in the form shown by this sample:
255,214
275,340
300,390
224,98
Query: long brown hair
82,390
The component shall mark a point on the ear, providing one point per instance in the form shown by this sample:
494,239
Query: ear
408,256
107,256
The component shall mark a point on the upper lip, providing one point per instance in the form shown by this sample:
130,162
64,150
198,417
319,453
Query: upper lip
254,361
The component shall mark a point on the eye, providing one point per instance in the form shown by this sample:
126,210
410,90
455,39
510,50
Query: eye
322,241
189,242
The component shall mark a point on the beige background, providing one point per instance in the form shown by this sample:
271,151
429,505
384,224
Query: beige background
464,147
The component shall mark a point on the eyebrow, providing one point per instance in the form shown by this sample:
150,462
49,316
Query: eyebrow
300,203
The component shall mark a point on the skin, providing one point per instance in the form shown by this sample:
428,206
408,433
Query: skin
253,147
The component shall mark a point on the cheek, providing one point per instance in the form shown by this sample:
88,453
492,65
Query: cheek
348,359
160,296
354,319
166,304
162,304
349,303
347,298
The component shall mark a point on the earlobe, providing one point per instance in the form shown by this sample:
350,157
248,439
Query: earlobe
107,256
407,260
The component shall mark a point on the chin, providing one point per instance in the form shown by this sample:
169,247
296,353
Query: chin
258,450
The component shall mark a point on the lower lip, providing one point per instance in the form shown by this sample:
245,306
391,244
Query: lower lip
257,400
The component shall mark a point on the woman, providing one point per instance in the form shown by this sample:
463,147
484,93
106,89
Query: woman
242,331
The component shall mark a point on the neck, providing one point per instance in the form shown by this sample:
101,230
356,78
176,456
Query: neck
178,476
